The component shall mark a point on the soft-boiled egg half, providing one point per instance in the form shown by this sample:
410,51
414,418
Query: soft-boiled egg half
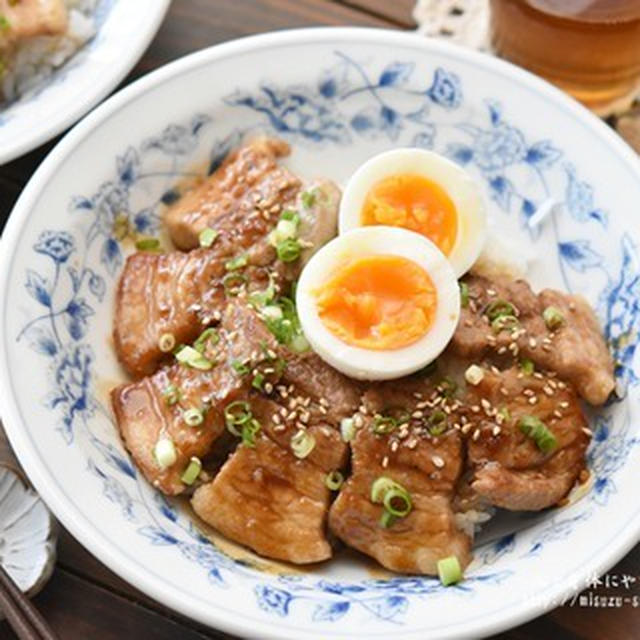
378,302
423,192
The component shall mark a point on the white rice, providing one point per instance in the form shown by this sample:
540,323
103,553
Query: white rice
36,59
471,521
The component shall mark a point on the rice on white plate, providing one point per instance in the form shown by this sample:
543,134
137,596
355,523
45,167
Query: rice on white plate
36,58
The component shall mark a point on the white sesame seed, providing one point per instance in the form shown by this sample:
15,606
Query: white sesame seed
437,461
496,430
476,435
385,462
533,400
394,446
587,432
533,343
417,415
502,350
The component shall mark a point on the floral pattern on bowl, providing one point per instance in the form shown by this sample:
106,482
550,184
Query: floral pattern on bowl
361,100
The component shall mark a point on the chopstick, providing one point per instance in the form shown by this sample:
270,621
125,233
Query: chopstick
23,617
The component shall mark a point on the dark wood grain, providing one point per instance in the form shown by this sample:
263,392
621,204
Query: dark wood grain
85,600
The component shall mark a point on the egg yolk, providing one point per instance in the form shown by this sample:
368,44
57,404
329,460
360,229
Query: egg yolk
415,203
378,302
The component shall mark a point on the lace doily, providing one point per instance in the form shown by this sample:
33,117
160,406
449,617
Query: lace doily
466,22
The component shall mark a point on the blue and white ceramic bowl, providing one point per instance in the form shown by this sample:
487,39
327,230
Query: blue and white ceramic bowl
124,30
339,96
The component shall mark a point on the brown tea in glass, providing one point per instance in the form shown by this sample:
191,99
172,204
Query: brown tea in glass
590,48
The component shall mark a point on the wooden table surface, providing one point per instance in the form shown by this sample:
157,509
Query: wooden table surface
86,601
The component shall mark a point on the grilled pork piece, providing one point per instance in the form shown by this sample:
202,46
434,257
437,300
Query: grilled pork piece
428,468
281,421
328,395
176,293
155,407
247,192
575,349
29,18
180,293
509,469
269,500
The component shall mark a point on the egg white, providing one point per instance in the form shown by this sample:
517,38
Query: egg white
369,364
460,187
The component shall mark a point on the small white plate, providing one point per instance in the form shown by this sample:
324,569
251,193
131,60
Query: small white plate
124,31
339,96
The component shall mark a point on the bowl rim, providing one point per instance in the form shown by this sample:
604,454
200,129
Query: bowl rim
72,113
72,517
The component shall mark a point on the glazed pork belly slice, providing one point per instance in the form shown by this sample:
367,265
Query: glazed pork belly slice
575,349
176,293
247,190
313,387
509,469
428,468
144,413
181,293
266,498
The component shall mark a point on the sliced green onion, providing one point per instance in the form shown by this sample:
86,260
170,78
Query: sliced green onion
299,343
207,237
387,519
308,198
504,413
232,282
334,480
166,342
504,322
539,432
147,244
193,417
286,229
449,570
240,368
171,394
288,250
347,429
553,318
207,336
258,381
302,443
448,387
499,308
291,215
526,366
237,413
165,453
379,488
397,501
259,299
193,358
464,294
236,263
4,23
384,424
474,374
437,423
249,431
191,473
272,312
